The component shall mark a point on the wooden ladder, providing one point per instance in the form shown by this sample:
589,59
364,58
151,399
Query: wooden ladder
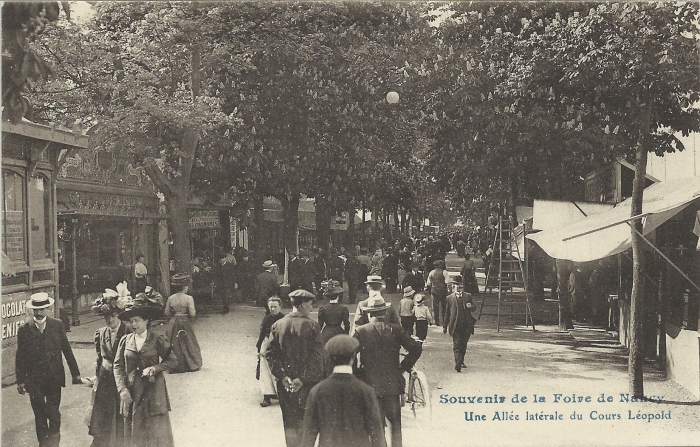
507,265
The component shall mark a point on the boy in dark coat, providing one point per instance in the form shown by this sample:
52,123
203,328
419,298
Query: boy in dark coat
342,410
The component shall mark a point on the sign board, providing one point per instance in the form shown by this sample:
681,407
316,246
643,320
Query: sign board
201,219
339,222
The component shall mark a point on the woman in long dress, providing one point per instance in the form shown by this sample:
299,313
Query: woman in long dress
141,359
106,423
180,309
334,318
268,383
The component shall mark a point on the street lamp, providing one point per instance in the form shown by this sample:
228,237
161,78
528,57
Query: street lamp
392,97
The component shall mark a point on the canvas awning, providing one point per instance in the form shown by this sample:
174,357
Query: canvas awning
588,239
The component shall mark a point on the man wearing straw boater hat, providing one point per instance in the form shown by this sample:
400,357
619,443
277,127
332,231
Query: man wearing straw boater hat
374,288
39,367
266,285
380,342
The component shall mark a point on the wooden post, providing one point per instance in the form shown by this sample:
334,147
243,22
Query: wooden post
74,280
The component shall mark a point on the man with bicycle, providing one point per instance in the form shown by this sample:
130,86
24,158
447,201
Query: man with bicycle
380,343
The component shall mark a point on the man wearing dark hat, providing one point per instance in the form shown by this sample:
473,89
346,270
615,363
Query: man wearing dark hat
459,320
380,342
39,367
342,410
390,270
266,285
295,355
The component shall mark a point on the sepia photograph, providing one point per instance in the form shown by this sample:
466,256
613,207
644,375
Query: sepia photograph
350,223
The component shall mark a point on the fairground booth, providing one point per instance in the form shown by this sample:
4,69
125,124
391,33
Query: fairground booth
601,239
31,156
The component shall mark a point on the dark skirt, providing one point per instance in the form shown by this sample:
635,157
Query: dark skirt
184,344
106,424
329,331
149,430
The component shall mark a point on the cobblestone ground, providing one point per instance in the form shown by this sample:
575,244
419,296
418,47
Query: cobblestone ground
218,406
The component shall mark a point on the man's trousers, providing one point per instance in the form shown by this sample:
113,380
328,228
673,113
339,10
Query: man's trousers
45,399
390,408
460,338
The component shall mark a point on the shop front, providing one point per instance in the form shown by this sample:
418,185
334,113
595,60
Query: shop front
29,236
108,215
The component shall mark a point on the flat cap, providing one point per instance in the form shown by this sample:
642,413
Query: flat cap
302,293
342,345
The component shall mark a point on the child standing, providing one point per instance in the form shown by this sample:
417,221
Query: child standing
423,317
406,310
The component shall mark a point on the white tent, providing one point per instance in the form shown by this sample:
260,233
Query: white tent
607,233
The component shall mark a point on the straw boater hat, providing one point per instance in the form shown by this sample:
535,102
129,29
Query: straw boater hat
375,305
408,292
268,264
39,300
143,307
374,279
334,288
419,298
112,301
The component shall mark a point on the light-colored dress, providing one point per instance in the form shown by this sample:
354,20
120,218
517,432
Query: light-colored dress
180,307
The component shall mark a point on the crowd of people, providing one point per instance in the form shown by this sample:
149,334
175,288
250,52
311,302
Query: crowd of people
303,362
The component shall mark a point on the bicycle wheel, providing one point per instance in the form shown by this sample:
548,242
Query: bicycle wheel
419,399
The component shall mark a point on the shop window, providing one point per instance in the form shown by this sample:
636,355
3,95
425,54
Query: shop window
13,218
40,217
99,246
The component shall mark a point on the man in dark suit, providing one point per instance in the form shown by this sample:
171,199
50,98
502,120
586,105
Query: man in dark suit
459,320
352,276
295,355
319,263
296,272
266,285
342,410
390,270
39,367
380,342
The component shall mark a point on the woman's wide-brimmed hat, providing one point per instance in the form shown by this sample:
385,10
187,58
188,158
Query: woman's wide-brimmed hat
374,279
143,307
375,305
180,279
333,288
112,301
39,300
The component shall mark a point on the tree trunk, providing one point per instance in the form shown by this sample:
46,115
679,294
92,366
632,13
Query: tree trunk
290,214
350,239
176,193
259,223
180,230
397,225
636,352
323,224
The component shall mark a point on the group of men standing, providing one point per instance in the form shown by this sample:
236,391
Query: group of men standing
309,270
341,409
346,391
